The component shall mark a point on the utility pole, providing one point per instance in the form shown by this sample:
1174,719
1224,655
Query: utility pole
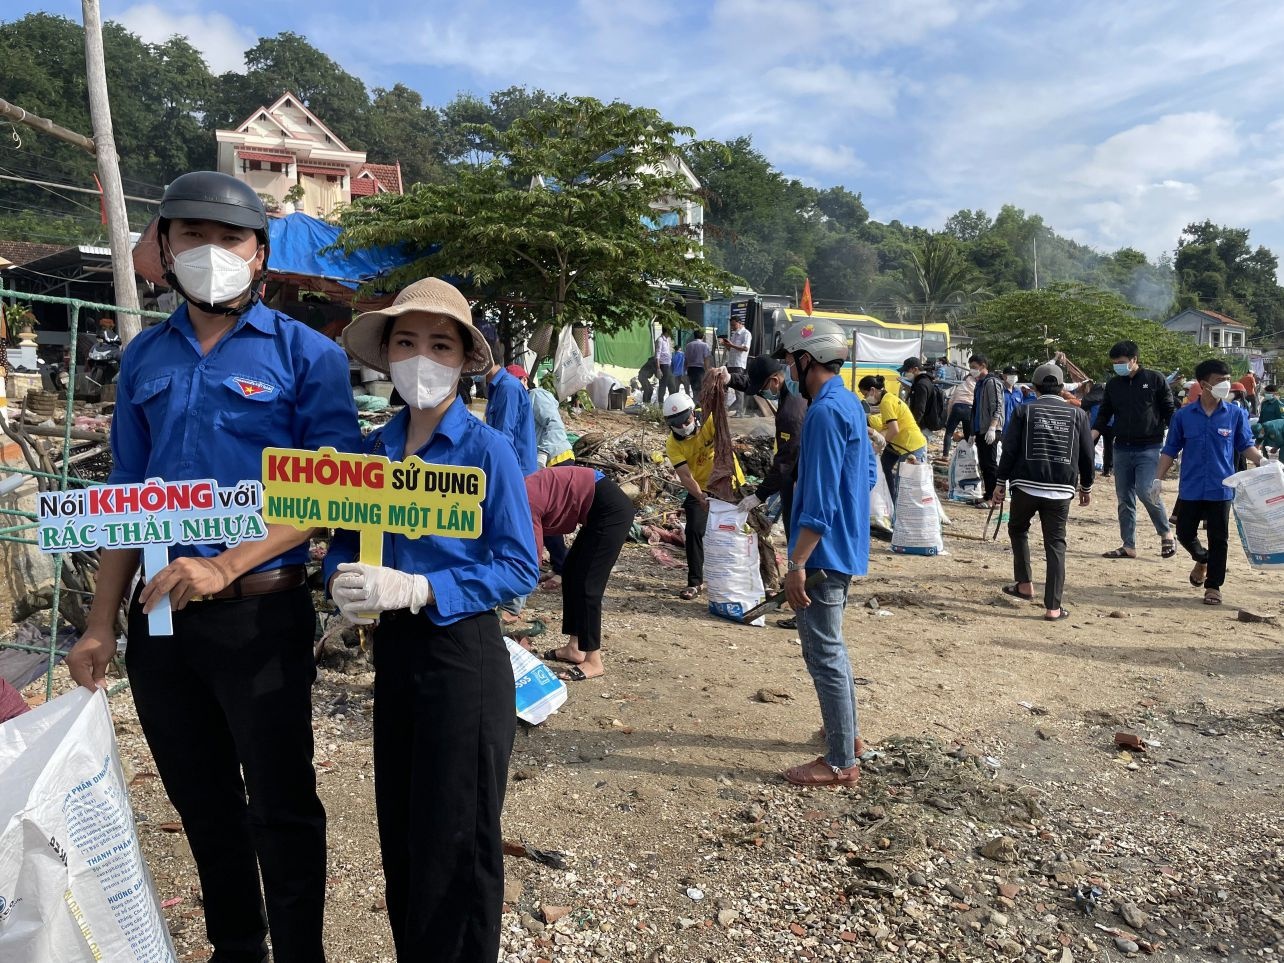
122,262
1036,262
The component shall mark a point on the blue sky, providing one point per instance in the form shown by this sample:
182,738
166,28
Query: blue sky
1118,122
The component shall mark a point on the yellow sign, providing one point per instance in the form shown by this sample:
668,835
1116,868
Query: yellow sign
371,495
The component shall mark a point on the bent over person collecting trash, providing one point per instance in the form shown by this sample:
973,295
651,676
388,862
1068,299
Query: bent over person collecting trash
226,701
830,534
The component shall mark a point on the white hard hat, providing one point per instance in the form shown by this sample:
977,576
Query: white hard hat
822,339
677,403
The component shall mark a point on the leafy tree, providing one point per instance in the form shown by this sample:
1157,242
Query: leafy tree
558,224
968,225
1026,328
402,129
288,62
465,117
938,284
1218,269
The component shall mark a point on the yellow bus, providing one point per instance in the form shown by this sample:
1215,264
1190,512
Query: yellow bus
935,341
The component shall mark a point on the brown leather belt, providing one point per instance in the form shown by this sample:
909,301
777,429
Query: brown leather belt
260,583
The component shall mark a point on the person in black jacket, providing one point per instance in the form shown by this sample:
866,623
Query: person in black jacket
1140,402
768,374
987,421
921,385
1047,447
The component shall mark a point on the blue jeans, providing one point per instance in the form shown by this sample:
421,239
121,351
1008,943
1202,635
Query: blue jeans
820,627
1135,469
514,606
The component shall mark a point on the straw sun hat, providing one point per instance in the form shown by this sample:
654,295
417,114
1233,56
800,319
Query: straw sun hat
363,338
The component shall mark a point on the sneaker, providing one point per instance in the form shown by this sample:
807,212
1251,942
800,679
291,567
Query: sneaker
820,773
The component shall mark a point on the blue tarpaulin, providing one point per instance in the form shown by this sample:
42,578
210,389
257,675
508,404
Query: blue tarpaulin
299,245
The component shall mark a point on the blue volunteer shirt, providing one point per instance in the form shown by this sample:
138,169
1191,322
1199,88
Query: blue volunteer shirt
508,411
468,576
269,382
836,471
1209,444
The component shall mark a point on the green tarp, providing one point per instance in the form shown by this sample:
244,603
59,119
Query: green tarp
625,349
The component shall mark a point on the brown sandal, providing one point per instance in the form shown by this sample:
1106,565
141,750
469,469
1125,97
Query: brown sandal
820,773
1198,574
1212,597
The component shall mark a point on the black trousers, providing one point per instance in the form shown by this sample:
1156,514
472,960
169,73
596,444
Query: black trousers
1053,514
987,458
445,714
589,563
1217,516
667,384
226,706
960,416
697,518
695,375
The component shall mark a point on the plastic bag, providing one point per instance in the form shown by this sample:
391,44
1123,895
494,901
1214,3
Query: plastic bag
539,692
73,884
731,572
965,473
880,500
572,372
916,528
1259,513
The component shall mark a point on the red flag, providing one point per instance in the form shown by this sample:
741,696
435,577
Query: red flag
805,303
102,201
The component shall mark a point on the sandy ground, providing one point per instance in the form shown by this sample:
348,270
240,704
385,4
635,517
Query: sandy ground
663,777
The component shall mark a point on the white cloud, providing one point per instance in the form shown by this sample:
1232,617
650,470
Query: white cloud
1177,143
222,41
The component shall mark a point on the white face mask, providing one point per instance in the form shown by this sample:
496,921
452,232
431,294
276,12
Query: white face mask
1011,380
212,274
871,397
1221,391
685,430
422,382
974,372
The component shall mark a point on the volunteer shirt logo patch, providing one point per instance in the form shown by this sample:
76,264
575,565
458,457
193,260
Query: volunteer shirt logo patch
249,388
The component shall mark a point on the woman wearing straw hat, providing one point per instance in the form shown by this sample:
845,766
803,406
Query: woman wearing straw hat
444,727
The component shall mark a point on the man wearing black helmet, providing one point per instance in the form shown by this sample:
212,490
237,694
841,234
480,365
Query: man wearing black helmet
225,702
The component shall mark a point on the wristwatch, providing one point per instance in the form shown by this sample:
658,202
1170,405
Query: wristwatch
794,566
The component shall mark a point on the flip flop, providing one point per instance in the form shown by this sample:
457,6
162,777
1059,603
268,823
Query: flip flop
1012,590
1117,553
1065,614
1198,574
1168,548
690,592
552,656
1212,597
575,674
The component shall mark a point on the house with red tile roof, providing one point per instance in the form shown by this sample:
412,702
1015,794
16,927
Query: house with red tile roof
1209,328
286,145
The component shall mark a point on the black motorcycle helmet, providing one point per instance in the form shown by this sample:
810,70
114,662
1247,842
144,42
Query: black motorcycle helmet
211,196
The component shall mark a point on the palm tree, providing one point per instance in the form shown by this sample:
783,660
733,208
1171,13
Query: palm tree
939,283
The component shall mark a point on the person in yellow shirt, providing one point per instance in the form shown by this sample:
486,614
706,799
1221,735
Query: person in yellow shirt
689,446
904,439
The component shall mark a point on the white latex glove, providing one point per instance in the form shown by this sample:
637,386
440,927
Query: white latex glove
721,377
363,590
1156,490
990,435
542,459
749,503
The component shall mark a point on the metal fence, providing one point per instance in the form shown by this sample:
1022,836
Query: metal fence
19,531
